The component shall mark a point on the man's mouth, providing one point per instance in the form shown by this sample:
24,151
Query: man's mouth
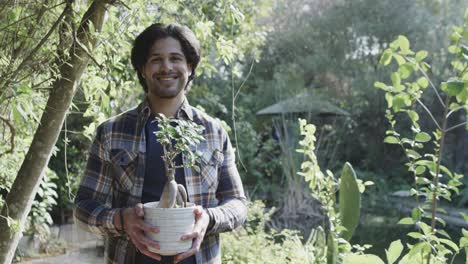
166,78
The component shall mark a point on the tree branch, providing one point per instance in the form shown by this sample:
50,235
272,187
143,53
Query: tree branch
12,136
43,40
432,85
455,110
429,112
246,78
26,17
31,31
455,126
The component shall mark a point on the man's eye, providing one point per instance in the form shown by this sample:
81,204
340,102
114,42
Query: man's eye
155,59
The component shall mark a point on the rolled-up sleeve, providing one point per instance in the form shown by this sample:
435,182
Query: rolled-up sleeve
92,203
232,210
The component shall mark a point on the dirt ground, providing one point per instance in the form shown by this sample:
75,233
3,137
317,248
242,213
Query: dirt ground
84,255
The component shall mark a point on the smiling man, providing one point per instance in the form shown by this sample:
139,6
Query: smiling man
125,168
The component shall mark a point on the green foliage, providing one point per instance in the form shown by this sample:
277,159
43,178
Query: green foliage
46,199
323,188
394,251
177,137
257,243
432,180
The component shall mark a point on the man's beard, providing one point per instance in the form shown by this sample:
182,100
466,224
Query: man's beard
165,93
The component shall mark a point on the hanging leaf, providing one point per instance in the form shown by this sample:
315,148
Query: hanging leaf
391,140
422,137
394,251
349,201
420,55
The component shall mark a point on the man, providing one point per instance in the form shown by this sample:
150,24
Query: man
125,168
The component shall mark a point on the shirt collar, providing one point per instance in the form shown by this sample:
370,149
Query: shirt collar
143,108
185,110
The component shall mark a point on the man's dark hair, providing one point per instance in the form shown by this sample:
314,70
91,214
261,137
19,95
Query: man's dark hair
146,39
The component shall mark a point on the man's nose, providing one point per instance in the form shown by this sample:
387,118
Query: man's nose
166,65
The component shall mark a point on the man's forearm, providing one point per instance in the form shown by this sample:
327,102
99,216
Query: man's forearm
97,218
227,216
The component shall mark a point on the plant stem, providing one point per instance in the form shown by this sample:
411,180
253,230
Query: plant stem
430,114
435,181
455,110
455,126
432,85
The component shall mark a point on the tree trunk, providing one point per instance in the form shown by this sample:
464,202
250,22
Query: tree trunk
23,191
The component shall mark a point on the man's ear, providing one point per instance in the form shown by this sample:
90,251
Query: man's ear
142,71
189,66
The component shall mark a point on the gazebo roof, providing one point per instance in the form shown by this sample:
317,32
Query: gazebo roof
304,103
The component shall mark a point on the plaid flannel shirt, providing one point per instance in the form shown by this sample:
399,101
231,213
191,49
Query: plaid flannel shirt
115,173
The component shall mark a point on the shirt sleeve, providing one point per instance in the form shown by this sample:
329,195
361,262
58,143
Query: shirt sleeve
232,210
92,207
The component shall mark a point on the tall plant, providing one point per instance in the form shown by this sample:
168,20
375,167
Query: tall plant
177,137
432,180
343,219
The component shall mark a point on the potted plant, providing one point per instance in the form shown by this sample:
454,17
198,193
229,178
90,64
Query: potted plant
172,214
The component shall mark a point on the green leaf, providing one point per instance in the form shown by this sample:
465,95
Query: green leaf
413,154
405,70
416,214
454,87
406,221
420,55
400,101
391,140
399,88
453,49
449,243
415,235
440,220
464,231
386,57
394,44
444,233
423,82
463,242
420,170
394,251
413,115
464,50
425,228
389,99
362,259
381,85
404,43
455,37
400,59
422,137
396,80
350,201
465,217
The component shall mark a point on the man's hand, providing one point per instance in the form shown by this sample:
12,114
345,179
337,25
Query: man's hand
201,224
135,227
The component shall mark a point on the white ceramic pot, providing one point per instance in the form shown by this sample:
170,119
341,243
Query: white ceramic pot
173,223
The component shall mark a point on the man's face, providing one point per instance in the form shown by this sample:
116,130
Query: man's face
166,71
